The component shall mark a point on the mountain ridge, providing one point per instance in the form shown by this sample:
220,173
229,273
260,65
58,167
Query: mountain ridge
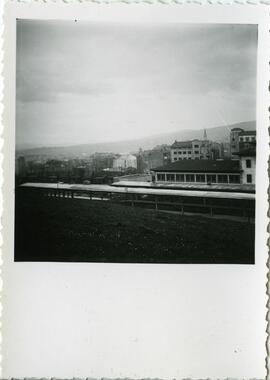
220,133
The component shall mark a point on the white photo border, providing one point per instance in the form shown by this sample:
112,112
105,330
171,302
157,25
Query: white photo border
45,303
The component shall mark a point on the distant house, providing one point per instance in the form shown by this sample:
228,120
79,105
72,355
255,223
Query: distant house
152,158
200,172
125,161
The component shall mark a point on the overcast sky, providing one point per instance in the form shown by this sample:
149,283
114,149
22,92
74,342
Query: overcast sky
83,82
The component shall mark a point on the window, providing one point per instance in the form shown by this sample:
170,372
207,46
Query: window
234,178
200,177
249,178
179,152
248,163
174,152
196,152
190,177
211,178
189,152
246,139
196,146
184,152
222,178
180,178
253,138
161,177
171,177
175,159
241,139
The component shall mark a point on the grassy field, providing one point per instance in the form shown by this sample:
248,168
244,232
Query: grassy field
82,230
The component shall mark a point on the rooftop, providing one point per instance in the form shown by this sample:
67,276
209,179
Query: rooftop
246,188
187,143
182,144
247,133
237,129
211,166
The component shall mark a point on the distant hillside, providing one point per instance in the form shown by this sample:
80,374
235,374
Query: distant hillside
216,134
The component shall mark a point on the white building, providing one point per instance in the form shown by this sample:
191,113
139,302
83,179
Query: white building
195,149
125,161
248,167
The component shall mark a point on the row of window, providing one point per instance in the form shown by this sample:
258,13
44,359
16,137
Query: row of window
247,139
183,158
201,178
186,152
248,161
190,158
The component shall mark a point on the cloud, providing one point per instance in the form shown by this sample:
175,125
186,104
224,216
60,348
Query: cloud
140,75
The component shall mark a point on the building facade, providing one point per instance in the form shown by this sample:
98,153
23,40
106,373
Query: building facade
200,172
248,167
247,156
195,150
234,140
247,137
148,159
125,161
240,139
190,150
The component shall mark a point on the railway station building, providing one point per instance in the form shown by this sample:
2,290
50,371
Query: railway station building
205,172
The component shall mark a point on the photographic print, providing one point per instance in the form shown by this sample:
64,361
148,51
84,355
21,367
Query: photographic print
135,191
135,143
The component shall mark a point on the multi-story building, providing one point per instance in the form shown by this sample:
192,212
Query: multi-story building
195,150
247,137
247,156
240,139
248,166
234,140
100,161
189,150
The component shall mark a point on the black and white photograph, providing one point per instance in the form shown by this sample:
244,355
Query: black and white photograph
135,143
135,176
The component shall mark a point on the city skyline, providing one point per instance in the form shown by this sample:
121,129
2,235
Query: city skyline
66,94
